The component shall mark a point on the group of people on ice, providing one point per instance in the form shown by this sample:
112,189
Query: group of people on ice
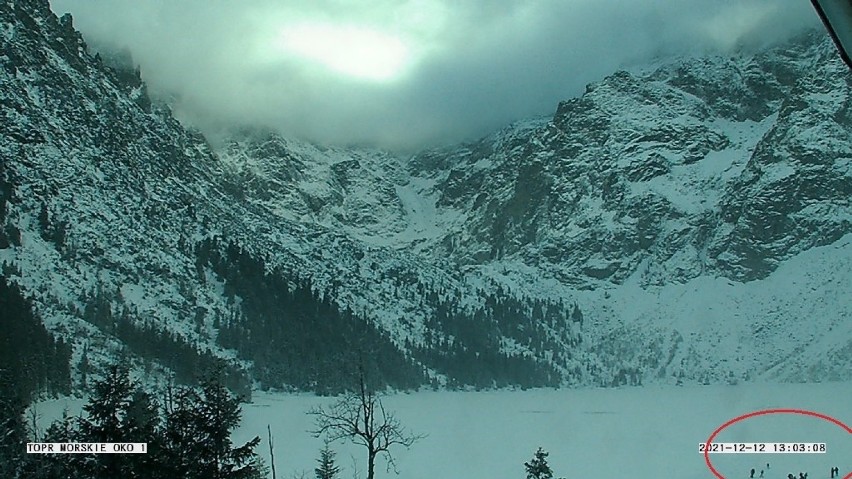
751,476
835,472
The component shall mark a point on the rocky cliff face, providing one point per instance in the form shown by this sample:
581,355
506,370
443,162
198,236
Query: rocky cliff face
708,165
660,218
704,166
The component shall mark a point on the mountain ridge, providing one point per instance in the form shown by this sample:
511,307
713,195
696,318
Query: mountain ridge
507,261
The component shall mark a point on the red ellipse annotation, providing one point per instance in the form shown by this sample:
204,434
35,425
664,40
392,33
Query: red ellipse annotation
764,412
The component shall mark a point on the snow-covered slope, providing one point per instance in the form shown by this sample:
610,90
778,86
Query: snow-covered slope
584,249
702,173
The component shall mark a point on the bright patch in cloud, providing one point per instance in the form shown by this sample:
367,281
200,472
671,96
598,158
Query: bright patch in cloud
407,74
354,51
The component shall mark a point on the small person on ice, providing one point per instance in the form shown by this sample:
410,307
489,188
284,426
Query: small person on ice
751,476
761,473
790,476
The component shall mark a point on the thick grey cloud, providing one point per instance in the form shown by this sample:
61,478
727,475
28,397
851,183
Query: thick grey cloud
474,65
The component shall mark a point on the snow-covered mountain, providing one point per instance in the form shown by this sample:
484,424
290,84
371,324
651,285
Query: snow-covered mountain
686,223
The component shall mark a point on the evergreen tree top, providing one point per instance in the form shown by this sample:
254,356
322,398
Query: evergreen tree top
538,468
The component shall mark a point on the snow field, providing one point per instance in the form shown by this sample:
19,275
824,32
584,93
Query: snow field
643,433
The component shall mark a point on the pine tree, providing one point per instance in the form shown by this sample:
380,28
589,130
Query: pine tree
12,431
219,414
108,406
44,222
577,315
197,435
178,452
83,368
327,469
141,424
537,468
104,422
50,466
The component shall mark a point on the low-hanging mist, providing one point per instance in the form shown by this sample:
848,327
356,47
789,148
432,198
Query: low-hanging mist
460,72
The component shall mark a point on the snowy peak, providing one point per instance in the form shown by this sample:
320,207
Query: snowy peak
702,173
591,248
641,166
793,193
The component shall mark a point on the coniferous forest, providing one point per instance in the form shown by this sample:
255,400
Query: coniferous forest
33,362
296,336
153,342
32,359
187,431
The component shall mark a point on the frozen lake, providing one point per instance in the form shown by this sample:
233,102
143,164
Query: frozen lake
641,433
650,432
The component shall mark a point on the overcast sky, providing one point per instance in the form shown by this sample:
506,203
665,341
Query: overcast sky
408,73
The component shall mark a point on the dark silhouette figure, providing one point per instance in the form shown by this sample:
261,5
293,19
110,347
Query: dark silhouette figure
835,471
801,476
752,473
790,476
761,473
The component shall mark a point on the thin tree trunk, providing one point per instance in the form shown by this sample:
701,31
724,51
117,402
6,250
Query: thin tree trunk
371,464
271,455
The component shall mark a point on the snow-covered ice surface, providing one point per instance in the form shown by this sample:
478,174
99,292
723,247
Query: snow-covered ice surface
641,433
647,432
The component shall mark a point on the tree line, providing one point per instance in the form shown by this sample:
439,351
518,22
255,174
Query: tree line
31,361
296,335
187,430
151,341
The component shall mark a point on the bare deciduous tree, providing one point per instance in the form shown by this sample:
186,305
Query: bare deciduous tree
361,418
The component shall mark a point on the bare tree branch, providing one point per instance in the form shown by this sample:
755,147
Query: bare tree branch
361,418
